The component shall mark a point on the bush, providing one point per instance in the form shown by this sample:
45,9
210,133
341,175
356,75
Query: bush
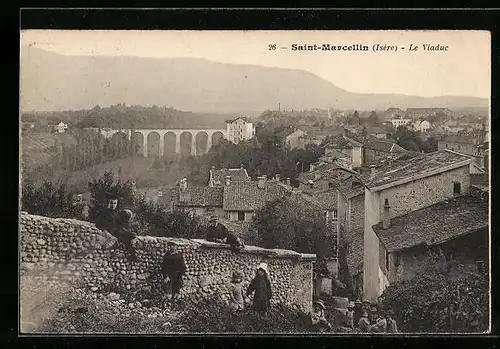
155,220
51,200
437,301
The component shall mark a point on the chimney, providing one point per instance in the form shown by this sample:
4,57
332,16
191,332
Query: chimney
288,182
277,177
213,167
386,218
261,181
373,169
344,131
242,166
228,181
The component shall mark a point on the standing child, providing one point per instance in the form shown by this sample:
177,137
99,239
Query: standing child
350,316
236,299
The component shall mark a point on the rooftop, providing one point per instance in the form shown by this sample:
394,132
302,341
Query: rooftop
410,166
351,186
342,142
435,224
236,174
323,171
383,145
326,199
247,196
198,196
228,121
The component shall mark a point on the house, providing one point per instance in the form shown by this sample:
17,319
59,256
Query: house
457,227
377,131
347,146
400,121
468,145
239,129
392,113
295,140
470,123
317,136
410,183
25,126
376,149
322,177
202,201
421,126
426,113
218,177
242,199
60,127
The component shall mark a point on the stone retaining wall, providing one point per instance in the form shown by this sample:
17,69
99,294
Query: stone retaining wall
67,249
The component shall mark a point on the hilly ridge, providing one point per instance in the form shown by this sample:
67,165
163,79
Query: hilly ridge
50,81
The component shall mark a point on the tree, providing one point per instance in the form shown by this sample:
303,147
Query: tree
291,224
103,188
51,200
437,300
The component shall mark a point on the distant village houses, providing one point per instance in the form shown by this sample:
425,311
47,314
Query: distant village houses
426,113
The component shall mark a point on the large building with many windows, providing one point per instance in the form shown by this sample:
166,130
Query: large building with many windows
239,129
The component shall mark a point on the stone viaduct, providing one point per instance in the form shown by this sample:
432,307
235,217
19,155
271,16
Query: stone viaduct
157,142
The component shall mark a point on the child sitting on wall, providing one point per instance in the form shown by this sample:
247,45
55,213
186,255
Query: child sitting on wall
236,297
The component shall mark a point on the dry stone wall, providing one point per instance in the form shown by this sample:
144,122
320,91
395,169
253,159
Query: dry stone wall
66,249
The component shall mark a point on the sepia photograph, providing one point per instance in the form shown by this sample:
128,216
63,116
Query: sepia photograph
313,182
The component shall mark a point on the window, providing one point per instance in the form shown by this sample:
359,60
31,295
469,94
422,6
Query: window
387,259
456,188
241,215
331,186
349,249
335,215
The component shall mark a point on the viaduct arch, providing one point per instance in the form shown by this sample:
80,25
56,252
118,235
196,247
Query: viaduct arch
157,142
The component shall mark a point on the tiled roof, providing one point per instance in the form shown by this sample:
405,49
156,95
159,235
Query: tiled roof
411,164
198,197
461,139
379,144
323,171
247,196
326,199
351,186
237,175
342,142
435,224
232,120
334,153
355,239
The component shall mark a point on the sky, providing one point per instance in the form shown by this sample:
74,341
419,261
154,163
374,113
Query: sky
463,70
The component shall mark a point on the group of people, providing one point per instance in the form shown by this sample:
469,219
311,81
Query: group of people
360,316
365,317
